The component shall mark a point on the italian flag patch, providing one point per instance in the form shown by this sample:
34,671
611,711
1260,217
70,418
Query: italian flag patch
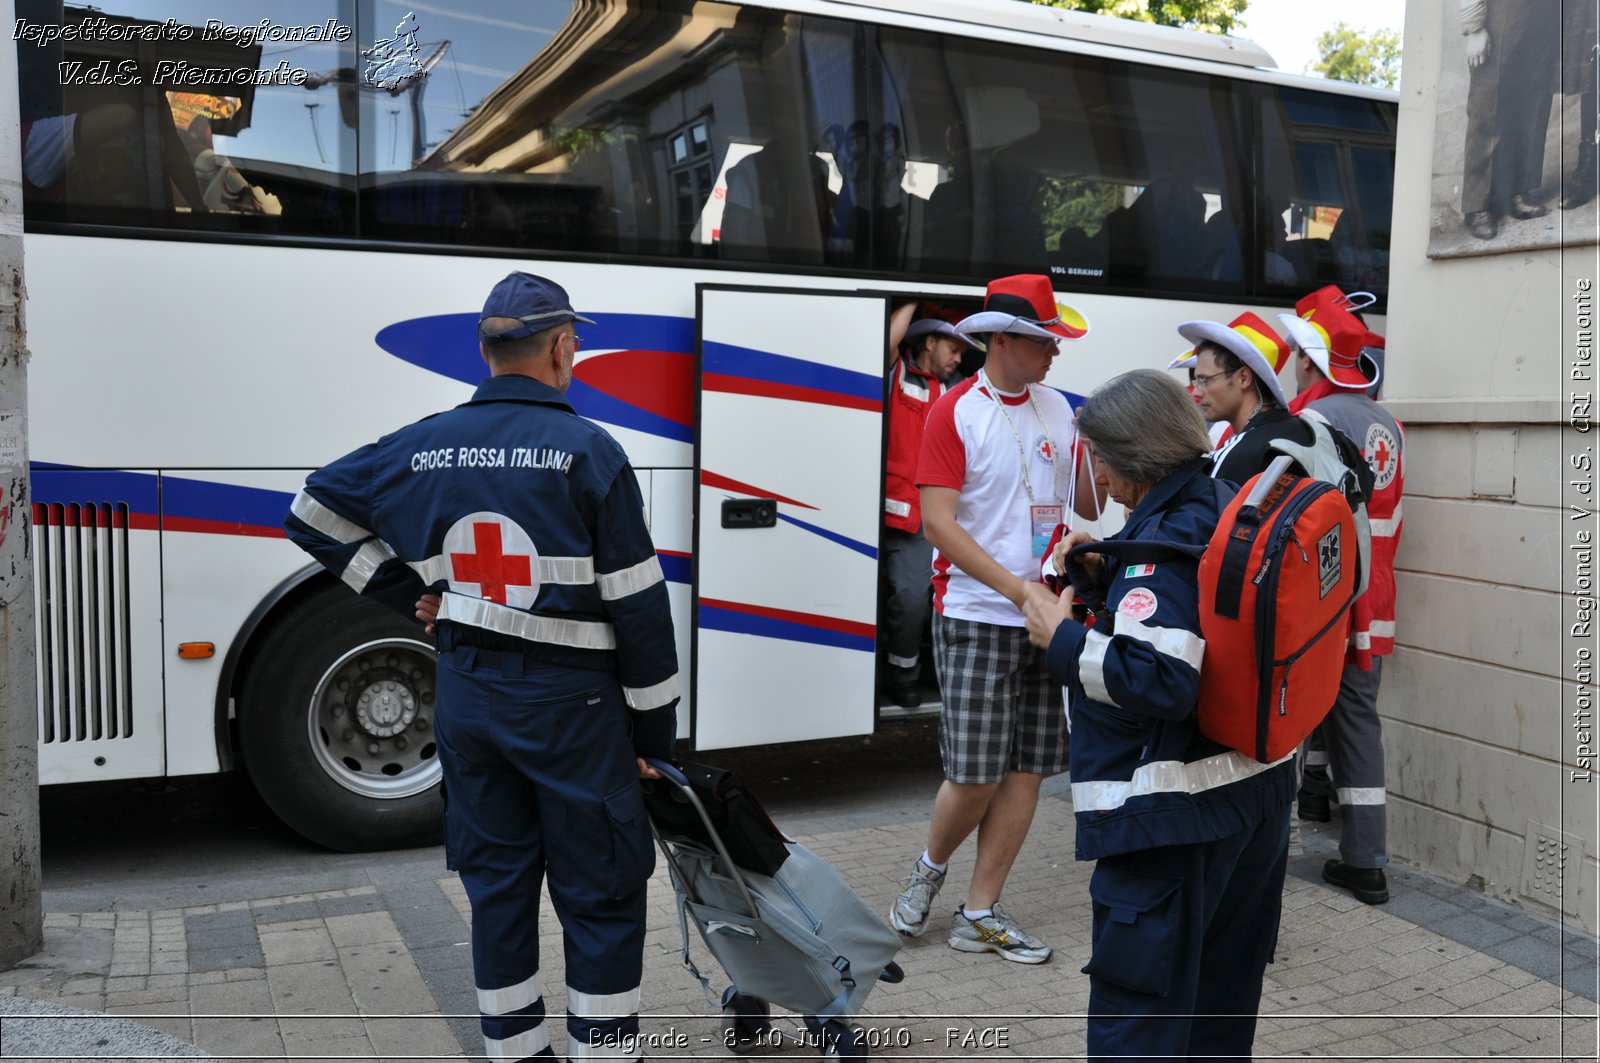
1139,570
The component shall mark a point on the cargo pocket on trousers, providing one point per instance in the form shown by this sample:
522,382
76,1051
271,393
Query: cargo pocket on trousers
1135,933
633,851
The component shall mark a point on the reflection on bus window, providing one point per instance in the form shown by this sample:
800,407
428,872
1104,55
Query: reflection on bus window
145,116
700,129
1098,172
1328,164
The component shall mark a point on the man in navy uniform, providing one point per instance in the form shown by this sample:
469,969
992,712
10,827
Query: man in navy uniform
557,664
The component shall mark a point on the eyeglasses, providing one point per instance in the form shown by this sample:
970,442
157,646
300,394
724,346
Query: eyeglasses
1053,345
577,341
1205,381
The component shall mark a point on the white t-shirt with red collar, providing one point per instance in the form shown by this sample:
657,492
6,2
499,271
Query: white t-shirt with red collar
976,441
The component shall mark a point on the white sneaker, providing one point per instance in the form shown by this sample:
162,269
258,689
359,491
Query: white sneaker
910,912
997,932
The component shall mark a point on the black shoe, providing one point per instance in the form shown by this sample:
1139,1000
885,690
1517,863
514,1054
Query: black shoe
1523,206
1481,223
1314,808
907,695
1367,883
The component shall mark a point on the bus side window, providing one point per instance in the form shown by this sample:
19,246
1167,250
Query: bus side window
1098,172
148,120
1328,168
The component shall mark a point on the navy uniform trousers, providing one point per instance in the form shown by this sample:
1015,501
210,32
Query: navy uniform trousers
540,780
1182,937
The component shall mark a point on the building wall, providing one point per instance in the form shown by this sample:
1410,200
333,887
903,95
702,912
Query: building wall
1478,698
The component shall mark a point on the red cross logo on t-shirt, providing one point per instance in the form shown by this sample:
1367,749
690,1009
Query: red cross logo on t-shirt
492,558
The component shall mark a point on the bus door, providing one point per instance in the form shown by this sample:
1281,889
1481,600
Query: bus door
789,497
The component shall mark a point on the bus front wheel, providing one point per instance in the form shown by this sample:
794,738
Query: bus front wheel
336,720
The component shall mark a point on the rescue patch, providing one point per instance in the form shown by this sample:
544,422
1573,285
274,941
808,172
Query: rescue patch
1043,447
492,558
1328,554
1382,452
1135,571
1138,604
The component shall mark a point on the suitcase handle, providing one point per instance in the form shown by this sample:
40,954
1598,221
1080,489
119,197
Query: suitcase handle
681,781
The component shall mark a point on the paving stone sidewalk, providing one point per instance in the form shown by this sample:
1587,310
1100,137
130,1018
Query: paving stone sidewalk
383,970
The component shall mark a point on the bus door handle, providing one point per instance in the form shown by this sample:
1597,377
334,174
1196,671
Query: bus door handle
750,513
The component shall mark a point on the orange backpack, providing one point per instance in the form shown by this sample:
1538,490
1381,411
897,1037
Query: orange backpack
1276,583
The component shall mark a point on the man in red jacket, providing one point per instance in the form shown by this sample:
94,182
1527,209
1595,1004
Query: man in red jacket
920,363
1334,373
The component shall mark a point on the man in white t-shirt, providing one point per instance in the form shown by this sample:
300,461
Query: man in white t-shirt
998,473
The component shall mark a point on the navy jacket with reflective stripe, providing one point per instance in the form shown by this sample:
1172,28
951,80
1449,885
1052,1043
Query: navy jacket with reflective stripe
515,449
1142,774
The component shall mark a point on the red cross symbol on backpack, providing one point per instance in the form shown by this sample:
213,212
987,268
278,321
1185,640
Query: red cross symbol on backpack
492,558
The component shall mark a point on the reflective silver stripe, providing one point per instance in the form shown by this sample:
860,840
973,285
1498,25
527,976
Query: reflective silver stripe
1169,776
358,573
510,998
1388,526
902,662
1377,629
527,1043
1186,646
320,518
603,1005
1092,668
492,616
566,571
576,1049
914,389
642,699
1316,758
896,508
1363,795
645,574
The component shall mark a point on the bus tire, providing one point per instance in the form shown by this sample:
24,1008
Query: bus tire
335,725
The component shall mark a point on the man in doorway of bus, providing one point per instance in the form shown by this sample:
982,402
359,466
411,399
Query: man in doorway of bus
999,469
558,672
922,355
1236,382
1334,373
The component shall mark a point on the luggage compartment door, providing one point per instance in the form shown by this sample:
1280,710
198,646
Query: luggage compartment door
789,499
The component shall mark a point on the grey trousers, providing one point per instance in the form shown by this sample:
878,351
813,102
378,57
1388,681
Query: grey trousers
908,567
1349,745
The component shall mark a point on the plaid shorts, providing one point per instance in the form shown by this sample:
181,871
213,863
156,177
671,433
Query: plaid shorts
1002,711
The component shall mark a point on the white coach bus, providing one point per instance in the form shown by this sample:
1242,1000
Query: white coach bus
258,236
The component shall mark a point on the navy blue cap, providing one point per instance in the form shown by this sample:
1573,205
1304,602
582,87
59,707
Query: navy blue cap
536,302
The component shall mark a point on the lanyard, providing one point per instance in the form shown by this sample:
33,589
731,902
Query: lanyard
1022,452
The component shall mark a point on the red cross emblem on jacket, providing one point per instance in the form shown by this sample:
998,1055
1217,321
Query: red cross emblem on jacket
492,558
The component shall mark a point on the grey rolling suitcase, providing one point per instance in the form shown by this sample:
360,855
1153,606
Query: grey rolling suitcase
798,937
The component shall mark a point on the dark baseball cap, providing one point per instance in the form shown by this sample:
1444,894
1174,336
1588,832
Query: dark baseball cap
535,301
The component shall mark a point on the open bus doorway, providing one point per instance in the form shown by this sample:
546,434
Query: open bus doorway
924,361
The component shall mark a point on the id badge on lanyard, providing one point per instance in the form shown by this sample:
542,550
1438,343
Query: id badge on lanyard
1043,521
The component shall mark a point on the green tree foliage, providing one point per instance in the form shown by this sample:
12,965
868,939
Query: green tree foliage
1209,16
1364,57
